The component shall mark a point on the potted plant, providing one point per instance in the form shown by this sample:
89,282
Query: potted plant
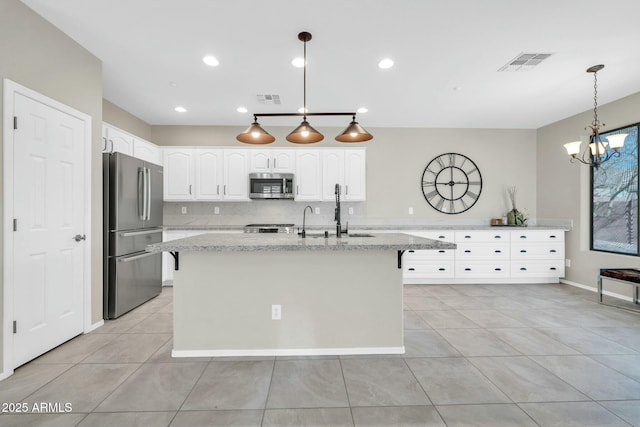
514,216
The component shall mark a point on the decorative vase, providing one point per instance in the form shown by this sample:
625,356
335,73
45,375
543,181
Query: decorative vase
511,217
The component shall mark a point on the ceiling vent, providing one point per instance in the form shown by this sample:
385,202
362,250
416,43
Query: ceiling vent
524,62
269,99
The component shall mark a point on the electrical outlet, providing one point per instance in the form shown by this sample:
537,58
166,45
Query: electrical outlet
276,312
410,211
184,210
216,210
317,211
350,211
567,262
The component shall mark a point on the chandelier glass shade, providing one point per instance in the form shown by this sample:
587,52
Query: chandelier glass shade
304,133
599,149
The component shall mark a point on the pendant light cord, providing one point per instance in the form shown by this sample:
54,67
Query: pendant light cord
304,82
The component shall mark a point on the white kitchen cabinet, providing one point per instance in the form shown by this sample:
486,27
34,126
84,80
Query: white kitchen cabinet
195,174
236,175
116,140
272,160
147,151
488,256
346,167
178,174
537,253
435,264
308,177
208,174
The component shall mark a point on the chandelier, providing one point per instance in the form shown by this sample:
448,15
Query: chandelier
304,133
599,149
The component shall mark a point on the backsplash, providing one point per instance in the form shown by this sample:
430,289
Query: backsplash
259,211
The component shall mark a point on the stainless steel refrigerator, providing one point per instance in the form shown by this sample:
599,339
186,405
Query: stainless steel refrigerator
132,220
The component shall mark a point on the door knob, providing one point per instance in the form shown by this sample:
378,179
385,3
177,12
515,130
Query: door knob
79,237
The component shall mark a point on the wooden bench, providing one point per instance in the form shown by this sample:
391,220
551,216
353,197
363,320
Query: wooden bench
629,276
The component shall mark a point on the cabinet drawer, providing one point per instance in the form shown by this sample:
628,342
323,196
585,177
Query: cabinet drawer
445,236
428,255
488,251
481,236
523,251
428,270
537,269
537,236
482,269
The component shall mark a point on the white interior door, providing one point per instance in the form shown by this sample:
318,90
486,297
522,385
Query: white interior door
49,210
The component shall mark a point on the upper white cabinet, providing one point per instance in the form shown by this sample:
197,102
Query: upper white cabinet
208,176
236,174
179,174
346,167
116,140
222,173
147,151
278,160
205,174
308,175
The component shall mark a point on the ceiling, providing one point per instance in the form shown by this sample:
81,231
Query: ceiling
447,55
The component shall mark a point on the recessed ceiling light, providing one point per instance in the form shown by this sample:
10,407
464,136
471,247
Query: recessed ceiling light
298,62
241,109
180,109
362,110
385,63
211,61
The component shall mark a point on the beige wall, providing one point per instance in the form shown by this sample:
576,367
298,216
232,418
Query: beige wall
396,159
563,188
119,118
35,54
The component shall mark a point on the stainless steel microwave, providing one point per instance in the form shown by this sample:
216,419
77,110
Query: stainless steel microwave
271,186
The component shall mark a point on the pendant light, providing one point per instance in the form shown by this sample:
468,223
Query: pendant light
599,149
304,133
255,134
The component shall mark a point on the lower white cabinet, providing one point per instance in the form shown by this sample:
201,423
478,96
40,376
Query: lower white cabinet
488,256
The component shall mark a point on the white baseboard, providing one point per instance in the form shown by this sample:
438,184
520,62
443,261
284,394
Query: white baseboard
289,352
595,290
94,326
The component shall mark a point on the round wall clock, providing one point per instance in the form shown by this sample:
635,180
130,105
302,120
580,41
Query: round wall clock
451,183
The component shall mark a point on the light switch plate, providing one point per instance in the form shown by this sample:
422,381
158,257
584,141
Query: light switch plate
184,210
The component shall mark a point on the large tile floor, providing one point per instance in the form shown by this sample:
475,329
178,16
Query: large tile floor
476,355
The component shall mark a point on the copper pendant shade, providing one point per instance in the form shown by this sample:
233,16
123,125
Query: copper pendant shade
354,133
255,135
304,133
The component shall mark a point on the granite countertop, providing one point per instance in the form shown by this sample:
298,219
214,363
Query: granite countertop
220,242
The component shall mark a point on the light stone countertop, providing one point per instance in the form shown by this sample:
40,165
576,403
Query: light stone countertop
220,242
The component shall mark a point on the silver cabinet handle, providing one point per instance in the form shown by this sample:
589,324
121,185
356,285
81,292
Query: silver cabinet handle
346,190
111,141
297,190
189,189
79,237
268,163
104,140
224,189
218,189
274,164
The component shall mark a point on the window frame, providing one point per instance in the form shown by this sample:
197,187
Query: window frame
591,195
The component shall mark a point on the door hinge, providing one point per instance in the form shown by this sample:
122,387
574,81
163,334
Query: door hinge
15,224
15,327
15,122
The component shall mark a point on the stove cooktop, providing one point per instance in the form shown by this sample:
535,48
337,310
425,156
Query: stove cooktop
269,228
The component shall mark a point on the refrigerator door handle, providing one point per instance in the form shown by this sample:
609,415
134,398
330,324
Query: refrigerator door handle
142,201
148,178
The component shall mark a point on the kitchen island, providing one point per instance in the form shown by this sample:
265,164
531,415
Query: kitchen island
280,294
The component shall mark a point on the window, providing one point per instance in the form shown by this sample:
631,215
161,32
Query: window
614,199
